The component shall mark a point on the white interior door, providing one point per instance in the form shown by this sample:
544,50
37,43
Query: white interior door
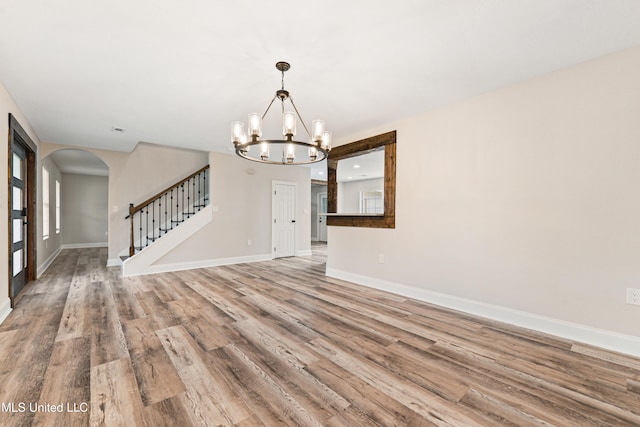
322,217
284,221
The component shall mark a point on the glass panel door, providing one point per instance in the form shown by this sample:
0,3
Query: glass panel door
18,219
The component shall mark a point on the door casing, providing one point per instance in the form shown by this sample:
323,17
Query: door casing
17,135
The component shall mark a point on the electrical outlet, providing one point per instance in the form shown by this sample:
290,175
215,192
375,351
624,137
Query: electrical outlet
381,259
249,242
633,296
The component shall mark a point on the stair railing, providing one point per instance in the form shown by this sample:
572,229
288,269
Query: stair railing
163,212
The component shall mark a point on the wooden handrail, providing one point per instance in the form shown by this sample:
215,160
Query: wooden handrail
134,209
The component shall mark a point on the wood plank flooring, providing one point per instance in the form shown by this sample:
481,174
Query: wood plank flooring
278,343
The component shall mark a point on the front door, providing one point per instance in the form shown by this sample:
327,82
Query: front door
284,222
21,204
18,218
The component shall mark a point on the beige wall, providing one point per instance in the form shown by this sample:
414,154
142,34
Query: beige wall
524,198
7,105
85,209
242,211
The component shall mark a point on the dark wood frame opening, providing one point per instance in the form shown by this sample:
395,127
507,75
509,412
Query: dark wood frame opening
357,148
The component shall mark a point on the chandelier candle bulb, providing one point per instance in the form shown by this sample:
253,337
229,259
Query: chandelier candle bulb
244,148
326,140
255,125
264,151
289,124
237,129
317,129
313,153
291,153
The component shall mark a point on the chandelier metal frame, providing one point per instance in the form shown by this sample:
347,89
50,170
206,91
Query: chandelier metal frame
318,146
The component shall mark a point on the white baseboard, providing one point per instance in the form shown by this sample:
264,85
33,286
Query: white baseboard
585,334
304,253
45,265
5,309
190,265
86,245
114,262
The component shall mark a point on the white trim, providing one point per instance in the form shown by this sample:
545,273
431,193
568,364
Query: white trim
114,262
45,265
304,253
610,340
5,309
205,263
86,245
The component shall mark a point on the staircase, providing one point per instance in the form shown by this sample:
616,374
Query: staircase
184,205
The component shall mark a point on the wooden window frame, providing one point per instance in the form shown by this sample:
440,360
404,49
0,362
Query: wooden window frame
357,148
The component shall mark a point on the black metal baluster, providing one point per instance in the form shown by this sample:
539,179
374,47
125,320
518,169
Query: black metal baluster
166,223
188,208
153,221
147,226
172,191
159,215
200,201
206,189
140,235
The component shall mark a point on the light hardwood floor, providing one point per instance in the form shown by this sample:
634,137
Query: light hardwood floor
278,343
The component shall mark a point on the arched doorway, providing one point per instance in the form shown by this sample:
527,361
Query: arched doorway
79,202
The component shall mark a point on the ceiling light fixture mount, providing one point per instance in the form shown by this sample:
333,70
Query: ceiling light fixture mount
293,152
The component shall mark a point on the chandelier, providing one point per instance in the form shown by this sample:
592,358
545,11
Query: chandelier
285,151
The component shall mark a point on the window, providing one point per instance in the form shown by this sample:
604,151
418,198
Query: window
371,202
45,203
57,207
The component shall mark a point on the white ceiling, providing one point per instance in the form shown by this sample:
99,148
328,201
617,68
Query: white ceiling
178,72
79,162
